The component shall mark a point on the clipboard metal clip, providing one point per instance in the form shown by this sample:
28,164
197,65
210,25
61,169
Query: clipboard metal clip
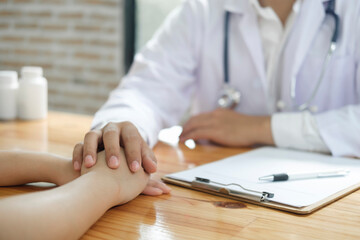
207,184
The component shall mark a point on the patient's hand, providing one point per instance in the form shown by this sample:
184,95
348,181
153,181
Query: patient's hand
63,171
126,185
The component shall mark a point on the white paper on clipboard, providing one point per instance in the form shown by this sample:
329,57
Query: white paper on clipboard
245,169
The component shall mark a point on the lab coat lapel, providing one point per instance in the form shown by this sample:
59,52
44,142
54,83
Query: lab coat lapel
249,30
305,28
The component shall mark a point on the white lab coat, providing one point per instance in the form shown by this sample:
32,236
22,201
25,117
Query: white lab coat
183,65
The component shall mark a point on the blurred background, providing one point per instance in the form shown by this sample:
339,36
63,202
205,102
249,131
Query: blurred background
84,46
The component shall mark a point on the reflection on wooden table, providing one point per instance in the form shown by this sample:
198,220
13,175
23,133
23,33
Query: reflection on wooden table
183,214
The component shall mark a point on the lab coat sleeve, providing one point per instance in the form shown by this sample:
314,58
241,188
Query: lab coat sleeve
159,87
340,128
336,131
297,131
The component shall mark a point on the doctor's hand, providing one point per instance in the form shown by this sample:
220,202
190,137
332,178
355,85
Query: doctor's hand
229,128
112,138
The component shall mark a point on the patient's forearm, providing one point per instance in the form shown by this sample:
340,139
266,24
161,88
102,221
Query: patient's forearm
19,167
62,213
68,211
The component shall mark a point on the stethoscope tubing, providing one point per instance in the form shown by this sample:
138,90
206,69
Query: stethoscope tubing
330,11
226,47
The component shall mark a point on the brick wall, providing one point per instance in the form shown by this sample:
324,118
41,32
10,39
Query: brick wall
77,42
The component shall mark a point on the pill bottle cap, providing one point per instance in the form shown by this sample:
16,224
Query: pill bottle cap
31,72
8,77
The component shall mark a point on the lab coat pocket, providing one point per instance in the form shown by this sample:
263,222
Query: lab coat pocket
338,86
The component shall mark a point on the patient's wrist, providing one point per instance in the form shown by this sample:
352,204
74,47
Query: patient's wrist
49,168
103,181
61,171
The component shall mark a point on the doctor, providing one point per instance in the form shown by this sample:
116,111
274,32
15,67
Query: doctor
273,72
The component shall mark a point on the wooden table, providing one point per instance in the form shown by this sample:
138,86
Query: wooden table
184,214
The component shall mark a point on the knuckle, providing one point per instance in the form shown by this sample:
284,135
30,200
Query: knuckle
78,146
133,138
90,134
77,157
130,127
111,127
132,153
127,124
87,151
112,149
148,153
109,132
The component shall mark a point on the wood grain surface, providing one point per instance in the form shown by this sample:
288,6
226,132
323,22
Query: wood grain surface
183,214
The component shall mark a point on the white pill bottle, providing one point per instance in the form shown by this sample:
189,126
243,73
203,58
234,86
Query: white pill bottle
33,94
8,95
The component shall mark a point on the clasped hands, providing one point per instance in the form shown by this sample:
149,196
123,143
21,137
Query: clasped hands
221,126
120,141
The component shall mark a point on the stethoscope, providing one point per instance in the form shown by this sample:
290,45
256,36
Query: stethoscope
230,97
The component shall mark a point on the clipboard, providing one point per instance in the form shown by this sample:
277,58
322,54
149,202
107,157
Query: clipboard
241,192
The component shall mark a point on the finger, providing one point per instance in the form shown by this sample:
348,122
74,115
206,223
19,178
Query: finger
149,161
111,142
202,120
132,142
77,156
160,185
155,188
91,142
152,191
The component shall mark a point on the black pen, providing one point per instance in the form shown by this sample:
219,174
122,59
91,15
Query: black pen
304,175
